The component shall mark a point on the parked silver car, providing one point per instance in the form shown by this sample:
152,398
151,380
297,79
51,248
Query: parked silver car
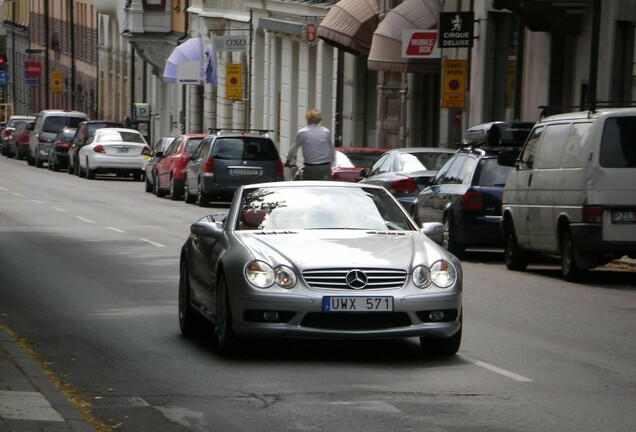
318,259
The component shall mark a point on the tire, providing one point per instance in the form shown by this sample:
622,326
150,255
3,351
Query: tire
53,165
227,341
30,159
187,196
174,195
448,241
515,258
443,347
38,163
90,174
158,192
203,199
187,314
149,186
570,270
70,169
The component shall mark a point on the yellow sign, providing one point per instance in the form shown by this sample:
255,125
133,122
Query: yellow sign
454,91
234,81
57,82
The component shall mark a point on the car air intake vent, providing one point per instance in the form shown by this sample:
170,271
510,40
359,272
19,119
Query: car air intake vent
390,233
352,321
355,278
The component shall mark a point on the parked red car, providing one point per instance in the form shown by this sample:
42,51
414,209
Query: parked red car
18,142
170,169
350,161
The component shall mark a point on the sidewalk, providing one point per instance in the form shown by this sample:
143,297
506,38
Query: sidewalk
29,401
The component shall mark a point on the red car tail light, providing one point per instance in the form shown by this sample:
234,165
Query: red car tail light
99,149
592,214
280,169
208,167
405,185
5,133
24,138
472,200
61,145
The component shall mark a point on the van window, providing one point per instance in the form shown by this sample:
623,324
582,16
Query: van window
531,149
553,147
490,173
575,151
618,146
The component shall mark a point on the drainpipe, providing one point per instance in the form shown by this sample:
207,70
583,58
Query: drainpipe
46,55
72,34
596,26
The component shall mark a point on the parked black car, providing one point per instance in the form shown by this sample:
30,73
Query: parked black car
84,131
466,193
58,151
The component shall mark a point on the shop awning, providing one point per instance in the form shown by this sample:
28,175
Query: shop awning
386,47
191,51
349,25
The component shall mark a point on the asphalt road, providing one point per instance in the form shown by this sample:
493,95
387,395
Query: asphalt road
89,273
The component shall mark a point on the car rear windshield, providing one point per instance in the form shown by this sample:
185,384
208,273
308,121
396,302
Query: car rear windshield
618,148
117,136
357,159
53,124
492,174
258,149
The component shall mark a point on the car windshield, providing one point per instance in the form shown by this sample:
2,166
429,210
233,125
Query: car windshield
347,159
192,144
245,149
317,207
118,136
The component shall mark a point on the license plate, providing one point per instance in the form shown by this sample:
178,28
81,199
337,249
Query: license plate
245,172
357,304
122,149
623,216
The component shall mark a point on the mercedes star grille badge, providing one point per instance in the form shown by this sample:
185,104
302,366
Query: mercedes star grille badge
357,279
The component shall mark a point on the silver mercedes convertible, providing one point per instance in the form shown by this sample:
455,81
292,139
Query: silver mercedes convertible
320,260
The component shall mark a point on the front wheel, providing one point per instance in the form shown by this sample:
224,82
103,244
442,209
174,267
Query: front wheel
514,257
570,270
226,340
443,347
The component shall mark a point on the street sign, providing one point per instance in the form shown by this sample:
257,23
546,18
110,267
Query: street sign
234,83
32,69
57,86
456,29
4,77
454,90
230,43
420,44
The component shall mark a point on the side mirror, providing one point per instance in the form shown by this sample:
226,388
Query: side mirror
364,173
207,229
158,154
193,157
434,231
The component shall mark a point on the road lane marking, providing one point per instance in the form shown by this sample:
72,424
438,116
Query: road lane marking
59,209
116,230
18,194
37,202
84,219
152,243
498,370
4,189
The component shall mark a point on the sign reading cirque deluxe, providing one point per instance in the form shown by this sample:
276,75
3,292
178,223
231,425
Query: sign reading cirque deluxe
456,29
420,44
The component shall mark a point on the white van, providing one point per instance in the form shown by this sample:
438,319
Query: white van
573,191
47,124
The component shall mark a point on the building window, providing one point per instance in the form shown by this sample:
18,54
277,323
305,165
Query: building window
154,4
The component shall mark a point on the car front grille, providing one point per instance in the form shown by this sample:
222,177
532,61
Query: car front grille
368,278
356,321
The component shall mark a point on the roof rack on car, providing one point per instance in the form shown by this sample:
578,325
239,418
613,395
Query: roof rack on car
218,131
591,107
499,135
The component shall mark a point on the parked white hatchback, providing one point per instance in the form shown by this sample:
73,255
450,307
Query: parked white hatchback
120,151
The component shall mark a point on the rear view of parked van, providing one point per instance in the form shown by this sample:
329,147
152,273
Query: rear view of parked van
573,192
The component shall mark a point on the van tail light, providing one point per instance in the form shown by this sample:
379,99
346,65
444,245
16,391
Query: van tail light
147,151
472,200
592,214
280,169
99,149
208,167
405,185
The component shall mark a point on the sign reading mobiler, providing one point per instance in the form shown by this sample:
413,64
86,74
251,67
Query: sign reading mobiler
456,29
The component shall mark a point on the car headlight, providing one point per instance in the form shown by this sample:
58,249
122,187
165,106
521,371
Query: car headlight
442,274
262,275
